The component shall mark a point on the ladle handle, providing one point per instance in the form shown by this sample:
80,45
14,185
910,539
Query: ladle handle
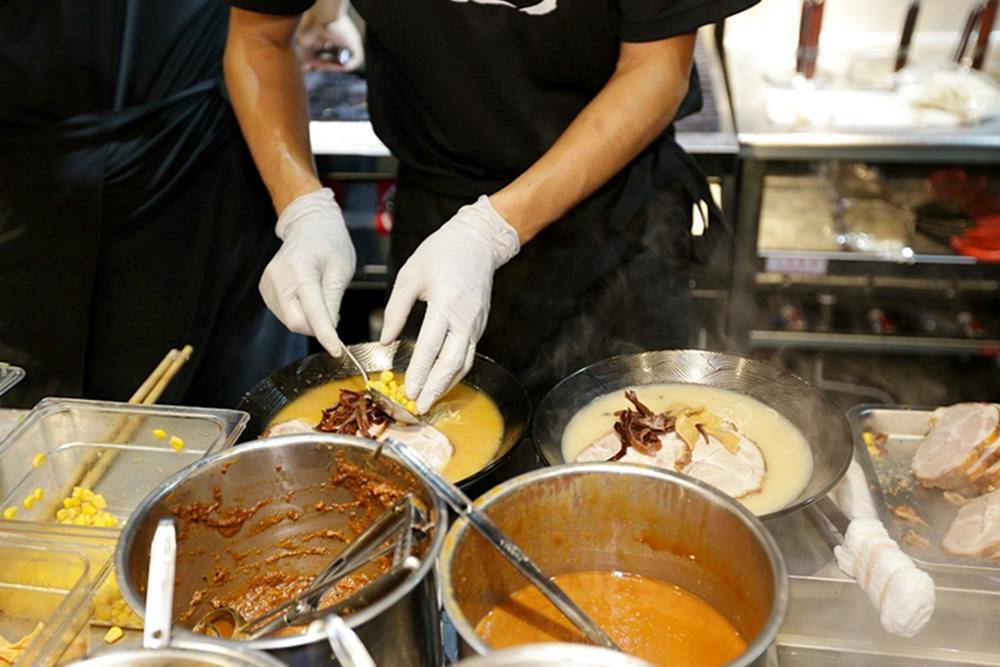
160,586
463,505
346,645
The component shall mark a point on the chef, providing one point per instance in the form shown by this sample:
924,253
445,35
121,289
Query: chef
132,219
543,209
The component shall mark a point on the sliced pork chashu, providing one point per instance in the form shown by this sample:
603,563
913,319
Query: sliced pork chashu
290,427
432,445
673,453
961,446
737,474
426,440
975,532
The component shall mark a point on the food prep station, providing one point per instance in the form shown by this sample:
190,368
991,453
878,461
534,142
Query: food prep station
790,283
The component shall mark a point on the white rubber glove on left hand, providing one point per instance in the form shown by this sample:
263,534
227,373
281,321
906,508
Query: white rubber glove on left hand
452,270
305,281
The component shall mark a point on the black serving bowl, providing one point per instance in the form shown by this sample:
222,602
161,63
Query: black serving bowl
280,388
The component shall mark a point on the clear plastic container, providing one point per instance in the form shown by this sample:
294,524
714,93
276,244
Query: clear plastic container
9,376
118,450
48,578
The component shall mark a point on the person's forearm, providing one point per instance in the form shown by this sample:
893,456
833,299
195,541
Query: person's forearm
633,108
267,93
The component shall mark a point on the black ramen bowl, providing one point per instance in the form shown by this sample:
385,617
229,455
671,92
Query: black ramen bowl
824,426
274,392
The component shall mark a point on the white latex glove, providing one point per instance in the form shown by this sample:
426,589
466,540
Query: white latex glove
305,281
452,270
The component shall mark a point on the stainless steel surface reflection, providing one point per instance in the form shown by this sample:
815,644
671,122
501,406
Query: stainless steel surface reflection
637,519
400,628
825,428
185,653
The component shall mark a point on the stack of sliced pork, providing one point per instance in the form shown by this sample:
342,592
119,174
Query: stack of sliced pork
355,414
689,440
961,454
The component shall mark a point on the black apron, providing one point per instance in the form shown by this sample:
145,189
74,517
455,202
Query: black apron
132,218
611,277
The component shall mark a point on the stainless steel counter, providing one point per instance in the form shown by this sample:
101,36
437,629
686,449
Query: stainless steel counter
855,31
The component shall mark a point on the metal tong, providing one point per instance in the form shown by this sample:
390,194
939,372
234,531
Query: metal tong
394,532
461,503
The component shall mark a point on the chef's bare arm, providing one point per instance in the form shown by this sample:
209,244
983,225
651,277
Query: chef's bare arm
633,108
265,85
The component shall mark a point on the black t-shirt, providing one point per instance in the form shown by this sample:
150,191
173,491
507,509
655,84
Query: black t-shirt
470,93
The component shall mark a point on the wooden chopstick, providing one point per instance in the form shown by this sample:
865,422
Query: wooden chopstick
90,470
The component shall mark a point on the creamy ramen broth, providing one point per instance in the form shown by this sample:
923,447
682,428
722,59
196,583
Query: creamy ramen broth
786,452
648,618
468,417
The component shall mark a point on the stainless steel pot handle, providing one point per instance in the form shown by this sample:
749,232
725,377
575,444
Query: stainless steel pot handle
346,645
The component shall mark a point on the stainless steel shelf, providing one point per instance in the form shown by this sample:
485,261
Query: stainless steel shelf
848,256
803,340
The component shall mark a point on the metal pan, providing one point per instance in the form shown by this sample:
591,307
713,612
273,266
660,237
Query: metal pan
893,485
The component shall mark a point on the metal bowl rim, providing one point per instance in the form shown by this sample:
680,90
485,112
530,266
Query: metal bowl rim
784,511
354,620
768,633
594,655
185,647
469,480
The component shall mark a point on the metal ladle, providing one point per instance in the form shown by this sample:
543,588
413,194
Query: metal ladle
461,503
393,408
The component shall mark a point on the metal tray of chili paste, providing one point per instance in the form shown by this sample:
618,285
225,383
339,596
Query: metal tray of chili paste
895,432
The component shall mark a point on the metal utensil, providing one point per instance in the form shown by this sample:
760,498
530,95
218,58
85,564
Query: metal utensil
393,408
987,18
390,533
346,646
971,21
461,503
160,586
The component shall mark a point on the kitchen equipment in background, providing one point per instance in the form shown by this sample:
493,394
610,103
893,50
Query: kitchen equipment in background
987,18
878,322
400,627
906,36
971,21
810,26
273,393
820,421
626,518
826,303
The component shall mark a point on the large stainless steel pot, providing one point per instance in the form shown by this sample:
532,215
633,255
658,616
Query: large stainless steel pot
554,655
616,516
402,628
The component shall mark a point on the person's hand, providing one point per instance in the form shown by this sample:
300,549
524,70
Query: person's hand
335,46
305,281
452,270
